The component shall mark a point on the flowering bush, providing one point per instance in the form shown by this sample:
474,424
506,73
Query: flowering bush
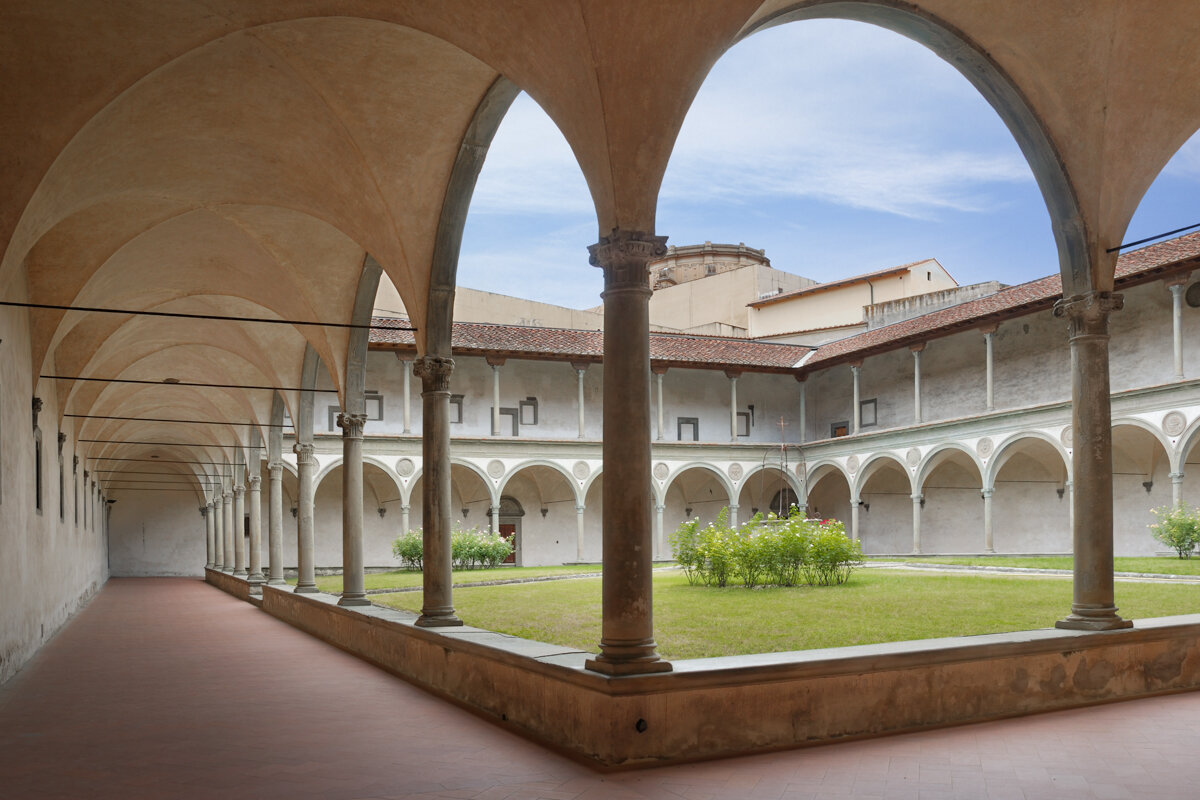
468,549
1177,527
782,552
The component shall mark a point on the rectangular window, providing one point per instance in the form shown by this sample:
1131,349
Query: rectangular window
456,407
374,405
839,429
529,411
687,429
514,415
743,419
867,415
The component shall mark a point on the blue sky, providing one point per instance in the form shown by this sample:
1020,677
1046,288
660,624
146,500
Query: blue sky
837,146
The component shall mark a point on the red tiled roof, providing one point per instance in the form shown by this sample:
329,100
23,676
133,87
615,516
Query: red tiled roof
824,287
563,344
1132,268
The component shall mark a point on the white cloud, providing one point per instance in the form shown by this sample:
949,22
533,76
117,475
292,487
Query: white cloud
1186,161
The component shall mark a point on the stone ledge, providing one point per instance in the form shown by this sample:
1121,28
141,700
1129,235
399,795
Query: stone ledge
726,706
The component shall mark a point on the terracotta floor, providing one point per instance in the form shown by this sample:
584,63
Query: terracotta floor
168,688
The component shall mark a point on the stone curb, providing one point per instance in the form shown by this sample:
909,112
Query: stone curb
915,565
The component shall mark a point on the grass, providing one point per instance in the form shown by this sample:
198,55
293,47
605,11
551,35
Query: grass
1151,564
875,606
406,579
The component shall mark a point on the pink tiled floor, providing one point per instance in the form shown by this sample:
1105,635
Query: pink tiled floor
168,688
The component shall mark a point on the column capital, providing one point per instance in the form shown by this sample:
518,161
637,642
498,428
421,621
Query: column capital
1176,477
1087,314
918,497
988,330
434,372
580,366
623,255
37,409
1176,282
917,348
275,469
304,454
238,490
658,370
495,361
204,511
987,492
255,483
733,374
856,365
227,497
351,425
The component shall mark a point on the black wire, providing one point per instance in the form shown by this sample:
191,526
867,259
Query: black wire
184,383
218,317
189,421
1151,238
162,444
158,460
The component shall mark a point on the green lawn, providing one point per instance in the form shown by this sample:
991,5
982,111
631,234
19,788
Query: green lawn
1151,564
875,606
403,579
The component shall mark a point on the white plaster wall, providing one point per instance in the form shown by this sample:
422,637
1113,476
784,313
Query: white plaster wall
953,377
1032,361
888,379
828,399
156,533
1140,347
49,566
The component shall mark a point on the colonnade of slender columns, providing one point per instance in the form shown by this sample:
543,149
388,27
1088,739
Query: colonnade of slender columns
254,489
918,500
494,518
856,411
579,528
239,524
1176,488
1176,287
227,526
275,525
353,579
916,352
988,540
658,394
406,371
305,535
580,369
627,643
989,340
733,406
801,436
495,365
1093,606
437,609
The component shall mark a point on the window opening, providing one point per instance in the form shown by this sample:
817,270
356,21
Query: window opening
529,411
839,429
867,413
687,429
743,423
515,415
456,408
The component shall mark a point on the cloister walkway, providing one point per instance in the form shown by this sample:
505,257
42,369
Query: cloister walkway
169,688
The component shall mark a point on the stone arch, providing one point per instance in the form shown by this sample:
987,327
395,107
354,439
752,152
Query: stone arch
939,454
883,488
759,487
695,490
950,483
829,493
876,462
1184,445
548,532
1079,254
1031,500
1004,451
1142,468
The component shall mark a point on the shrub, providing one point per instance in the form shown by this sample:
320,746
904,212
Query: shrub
766,550
410,548
1178,528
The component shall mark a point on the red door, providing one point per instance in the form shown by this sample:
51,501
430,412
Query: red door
508,532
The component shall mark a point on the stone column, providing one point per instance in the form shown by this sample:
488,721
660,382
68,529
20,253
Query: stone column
854,506
404,522
275,527
627,643
239,530
579,523
230,547
353,579
437,608
210,546
733,515
916,351
659,533
218,534
406,369
1176,488
1093,606
856,418
306,465
495,365
733,406
494,513
579,370
803,409
988,543
1069,490
254,567
1176,286
989,340
917,499
658,384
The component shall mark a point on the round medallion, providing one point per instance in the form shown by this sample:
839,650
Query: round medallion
985,447
495,468
1174,423
1068,437
852,464
736,472
913,457
581,470
405,467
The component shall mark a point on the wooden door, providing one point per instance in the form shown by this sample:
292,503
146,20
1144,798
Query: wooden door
508,532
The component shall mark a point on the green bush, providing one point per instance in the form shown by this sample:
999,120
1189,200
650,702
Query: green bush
782,552
409,548
468,549
1178,528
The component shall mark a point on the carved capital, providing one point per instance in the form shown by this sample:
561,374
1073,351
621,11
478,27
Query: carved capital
1087,314
304,455
351,425
434,372
255,483
74,464
37,409
276,470
204,511
62,439
227,497
624,256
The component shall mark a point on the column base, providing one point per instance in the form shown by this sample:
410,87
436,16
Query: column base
353,600
255,577
209,566
1093,619
440,620
276,582
312,589
645,666
227,570
240,573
